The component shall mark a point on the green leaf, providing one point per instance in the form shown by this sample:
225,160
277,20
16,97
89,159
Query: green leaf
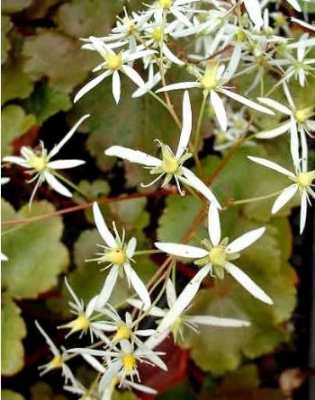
16,84
7,394
42,391
93,189
13,330
72,63
81,18
6,26
47,101
36,255
14,6
14,123
128,395
40,8
181,391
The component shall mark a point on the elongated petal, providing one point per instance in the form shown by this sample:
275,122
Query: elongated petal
247,283
181,250
275,104
116,86
294,143
138,285
68,136
187,125
170,293
170,56
154,311
295,5
94,363
216,321
254,12
303,211
131,247
193,181
64,164
108,287
133,75
90,85
219,109
245,240
247,102
50,343
272,133
178,86
214,226
284,198
183,301
102,227
15,160
56,185
74,296
131,155
272,165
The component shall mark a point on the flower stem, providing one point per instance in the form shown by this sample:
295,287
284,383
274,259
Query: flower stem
199,122
259,198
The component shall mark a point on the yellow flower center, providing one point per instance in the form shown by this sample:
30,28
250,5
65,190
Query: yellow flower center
305,179
217,256
169,165
114,61
157,34
129,362
303,114
165,3
38,163
209,80
56,362
123,333
80,324
240,36
116,256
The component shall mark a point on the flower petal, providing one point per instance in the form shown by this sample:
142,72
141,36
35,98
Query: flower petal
108,287
247,283
214,226
217,321
133,156
102,227
245,240
170,293
181,250
116,86
64,164
272,133
187,125
272,165
254,12
133,75
138,285
247,102
275,104
284,198
90,85
303,211
56,185
177,86
219,109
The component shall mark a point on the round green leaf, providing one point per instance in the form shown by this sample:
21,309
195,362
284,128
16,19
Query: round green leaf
36,255
13,330
14,6
6,26
16,84
7,394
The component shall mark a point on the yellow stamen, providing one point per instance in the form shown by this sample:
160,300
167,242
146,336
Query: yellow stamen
38,163
116,256
303,114
123,333
165,3
217,256
56,362
169,165
157,34
209,80
129,362
305,179
114,61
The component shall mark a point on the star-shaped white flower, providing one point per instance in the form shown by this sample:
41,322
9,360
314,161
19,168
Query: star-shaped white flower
175,317
171,165
118,255
218,254
302,182
39,164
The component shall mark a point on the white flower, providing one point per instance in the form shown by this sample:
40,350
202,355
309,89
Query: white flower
118,255
113,63
174,318
254,12
212,84
218,254
178,8
302,183
171,165
39,164
58,361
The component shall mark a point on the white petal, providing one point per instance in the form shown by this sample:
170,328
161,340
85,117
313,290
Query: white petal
295,5
56,149
131,247
272,133
94,363
102,227
247,283
170,293
64,164
187,125
116,86
74,296
50,343
245,240
275,104
15,160
294,144
247,102
133,75
181,250
234,62
139,387
254,12
56,185
170,56
133,156
154,311
196,183
303,211
272,165
90,85
284,198
216,321
177,86
138,285
184,299
108,287
214,226
219,109
288,96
